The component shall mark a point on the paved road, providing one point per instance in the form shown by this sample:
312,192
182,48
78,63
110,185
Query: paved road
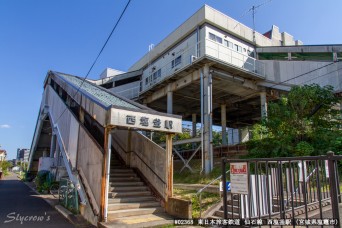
19,204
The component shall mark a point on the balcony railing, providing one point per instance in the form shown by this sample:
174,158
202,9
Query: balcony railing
230,56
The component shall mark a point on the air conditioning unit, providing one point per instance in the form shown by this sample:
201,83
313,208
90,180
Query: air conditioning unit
192,58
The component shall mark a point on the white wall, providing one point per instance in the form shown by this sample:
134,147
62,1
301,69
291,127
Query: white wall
185,49
305,72
242,57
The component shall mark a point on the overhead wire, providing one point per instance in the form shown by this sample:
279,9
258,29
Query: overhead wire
97,57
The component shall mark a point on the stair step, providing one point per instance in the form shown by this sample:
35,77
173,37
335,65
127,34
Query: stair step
124,170
128,194
136,199
133,212
138,221
126,183
124,179
230,215
234,209
128,188
234,202
123,175
122,206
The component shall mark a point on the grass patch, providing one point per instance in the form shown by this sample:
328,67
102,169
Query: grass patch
208,199
186,177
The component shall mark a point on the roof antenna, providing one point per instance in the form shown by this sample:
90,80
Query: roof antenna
253,9
150,48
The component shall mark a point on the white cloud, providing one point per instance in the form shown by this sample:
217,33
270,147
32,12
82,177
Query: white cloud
5,126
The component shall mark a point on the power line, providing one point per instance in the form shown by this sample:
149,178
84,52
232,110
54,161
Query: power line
98,55
298,76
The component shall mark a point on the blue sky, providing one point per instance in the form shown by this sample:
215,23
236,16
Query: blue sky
64,35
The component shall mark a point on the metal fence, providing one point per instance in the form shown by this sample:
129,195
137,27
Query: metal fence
68,195
285,188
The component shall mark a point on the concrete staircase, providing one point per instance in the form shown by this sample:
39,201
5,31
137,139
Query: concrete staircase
130,201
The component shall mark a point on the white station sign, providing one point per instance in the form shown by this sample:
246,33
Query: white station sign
145,121
239,178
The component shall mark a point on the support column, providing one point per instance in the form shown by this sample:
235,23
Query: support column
224,124
244,134
169,102
53,145
106,173
194,122
207,119
263,102
169,167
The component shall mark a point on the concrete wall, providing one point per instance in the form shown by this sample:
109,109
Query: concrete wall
306,72
67,124
81,149
144,151
45,163
90,160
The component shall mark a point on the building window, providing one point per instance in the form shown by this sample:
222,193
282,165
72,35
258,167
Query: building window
146,81
236,47
215,38
239,49
244,50
157,74
176,61
212,36
228,44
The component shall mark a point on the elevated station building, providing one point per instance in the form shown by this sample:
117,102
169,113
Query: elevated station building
214,70
211,70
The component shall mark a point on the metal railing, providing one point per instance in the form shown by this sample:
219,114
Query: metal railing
223,53
199,192
272,185
130,93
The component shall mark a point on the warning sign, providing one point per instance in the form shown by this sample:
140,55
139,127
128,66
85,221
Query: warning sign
239,178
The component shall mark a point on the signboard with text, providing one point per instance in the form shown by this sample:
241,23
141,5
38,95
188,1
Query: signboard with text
239,178
146,121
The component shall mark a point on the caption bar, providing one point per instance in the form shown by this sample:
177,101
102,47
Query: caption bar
257,222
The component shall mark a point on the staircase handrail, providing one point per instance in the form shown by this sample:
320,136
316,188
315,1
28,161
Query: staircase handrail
201,190
132,151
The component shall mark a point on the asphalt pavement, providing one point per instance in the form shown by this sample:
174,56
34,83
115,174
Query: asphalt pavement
21,207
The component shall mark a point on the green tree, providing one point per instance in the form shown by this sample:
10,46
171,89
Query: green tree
304,122
4,166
